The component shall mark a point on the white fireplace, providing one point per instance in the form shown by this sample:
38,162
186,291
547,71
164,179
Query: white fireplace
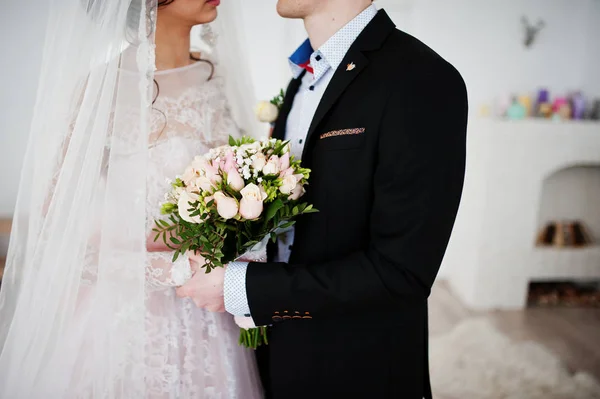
520,176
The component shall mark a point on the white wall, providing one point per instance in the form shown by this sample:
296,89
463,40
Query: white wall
484,40
592,67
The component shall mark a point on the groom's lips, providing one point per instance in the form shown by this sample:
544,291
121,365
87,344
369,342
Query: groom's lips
214,2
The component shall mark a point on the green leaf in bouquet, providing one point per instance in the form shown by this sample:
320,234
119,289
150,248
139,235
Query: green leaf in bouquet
295,211
273,236
176,256
186,246
175,241
288,224
311,210
232,141
273,208
280,146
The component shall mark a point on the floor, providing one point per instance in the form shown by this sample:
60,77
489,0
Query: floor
572,334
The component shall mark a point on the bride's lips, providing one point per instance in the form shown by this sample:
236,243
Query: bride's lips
214,2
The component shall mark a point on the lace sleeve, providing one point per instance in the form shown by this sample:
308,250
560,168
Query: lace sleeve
162,272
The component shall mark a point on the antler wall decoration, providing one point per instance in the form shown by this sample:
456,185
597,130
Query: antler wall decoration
531,31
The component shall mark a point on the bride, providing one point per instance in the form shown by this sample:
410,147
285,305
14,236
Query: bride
88,306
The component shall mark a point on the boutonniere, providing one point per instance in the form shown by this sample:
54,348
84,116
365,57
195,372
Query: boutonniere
268,111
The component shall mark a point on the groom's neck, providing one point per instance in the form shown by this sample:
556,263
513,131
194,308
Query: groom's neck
333,16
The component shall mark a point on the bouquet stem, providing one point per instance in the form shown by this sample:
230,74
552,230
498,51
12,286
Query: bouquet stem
253,337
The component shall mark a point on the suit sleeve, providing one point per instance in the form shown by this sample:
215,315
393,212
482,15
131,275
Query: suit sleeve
417,187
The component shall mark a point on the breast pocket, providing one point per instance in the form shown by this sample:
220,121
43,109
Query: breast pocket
342,139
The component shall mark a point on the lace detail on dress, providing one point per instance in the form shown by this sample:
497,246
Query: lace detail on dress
190,353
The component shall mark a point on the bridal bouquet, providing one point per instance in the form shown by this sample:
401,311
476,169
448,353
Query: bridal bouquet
229,201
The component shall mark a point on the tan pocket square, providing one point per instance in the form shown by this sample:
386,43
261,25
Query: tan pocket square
343,132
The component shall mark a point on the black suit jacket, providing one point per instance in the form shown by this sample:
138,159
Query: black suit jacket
387,153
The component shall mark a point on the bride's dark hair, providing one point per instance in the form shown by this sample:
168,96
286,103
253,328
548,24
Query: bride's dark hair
136,12
164,3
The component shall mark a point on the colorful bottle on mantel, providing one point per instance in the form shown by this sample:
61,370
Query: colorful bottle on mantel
525,101
516,111
561,108
578,106
543,108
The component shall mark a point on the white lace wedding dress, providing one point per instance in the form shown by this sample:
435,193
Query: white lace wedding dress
189,352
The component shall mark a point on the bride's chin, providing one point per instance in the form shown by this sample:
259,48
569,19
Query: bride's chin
208,16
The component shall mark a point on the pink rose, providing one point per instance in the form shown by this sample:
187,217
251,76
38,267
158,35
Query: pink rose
229,162
227,207
207,169
297,192
234,180
251,205
286,172
284,161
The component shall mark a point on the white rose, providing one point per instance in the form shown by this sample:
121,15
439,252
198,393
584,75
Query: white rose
272,166
251,205
227,207
203,183
288,184
297,192
199,164
188,175
266,112
184,206
250,147
259,161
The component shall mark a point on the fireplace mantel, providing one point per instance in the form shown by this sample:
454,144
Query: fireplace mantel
492,255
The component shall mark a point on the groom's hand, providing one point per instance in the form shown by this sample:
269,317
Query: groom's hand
206,290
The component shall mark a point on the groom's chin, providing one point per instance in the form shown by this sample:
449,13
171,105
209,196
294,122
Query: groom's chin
293,8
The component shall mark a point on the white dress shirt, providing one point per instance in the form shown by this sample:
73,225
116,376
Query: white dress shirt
324,62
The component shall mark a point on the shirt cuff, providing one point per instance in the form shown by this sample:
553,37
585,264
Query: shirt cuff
236,300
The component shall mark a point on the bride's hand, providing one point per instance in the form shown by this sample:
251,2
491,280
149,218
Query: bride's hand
196,260
156,246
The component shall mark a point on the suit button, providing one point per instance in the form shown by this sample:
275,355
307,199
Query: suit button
276,318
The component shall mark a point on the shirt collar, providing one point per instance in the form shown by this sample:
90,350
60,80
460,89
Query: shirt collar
333,50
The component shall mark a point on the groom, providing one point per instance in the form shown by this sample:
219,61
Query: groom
380,119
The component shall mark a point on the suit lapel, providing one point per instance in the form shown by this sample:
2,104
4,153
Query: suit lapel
371,38
284,112
338,84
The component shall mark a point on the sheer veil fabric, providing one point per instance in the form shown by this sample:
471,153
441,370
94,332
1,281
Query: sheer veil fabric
81,299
